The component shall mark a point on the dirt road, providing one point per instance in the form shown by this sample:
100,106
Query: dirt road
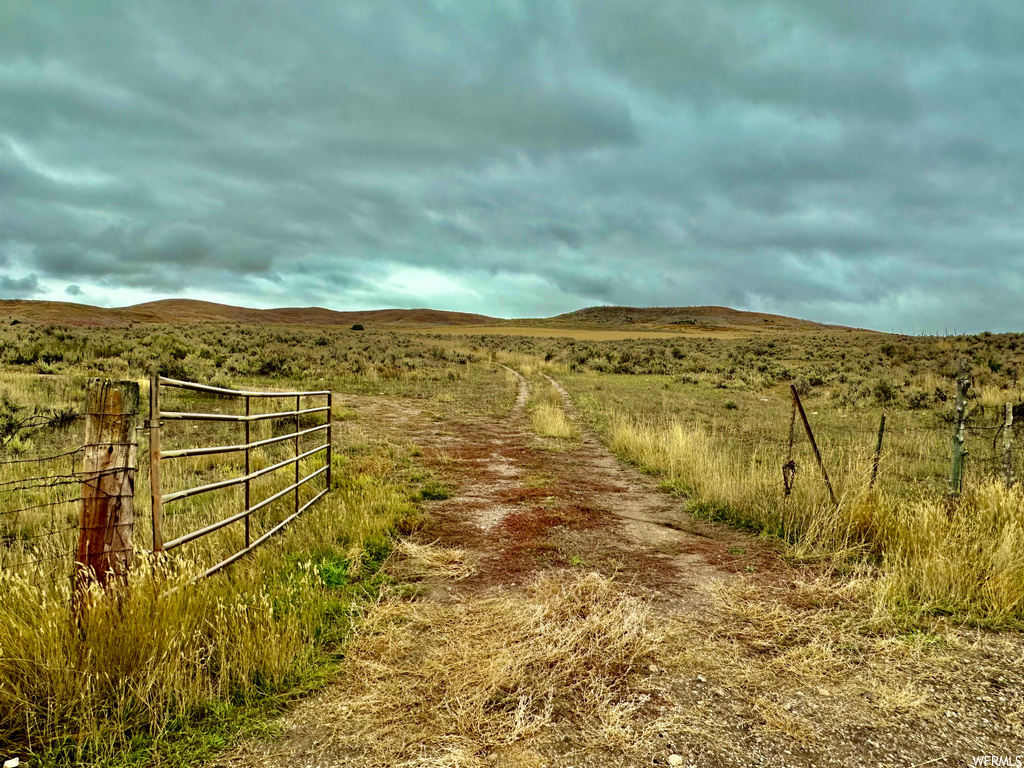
749,663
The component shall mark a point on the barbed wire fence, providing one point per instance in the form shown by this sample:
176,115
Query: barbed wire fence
40,495
995,444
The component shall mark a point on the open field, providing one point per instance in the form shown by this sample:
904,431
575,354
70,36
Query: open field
582,333
902,606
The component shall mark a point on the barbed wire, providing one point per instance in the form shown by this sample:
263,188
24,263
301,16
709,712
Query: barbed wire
51,481
50,532
40,506
24,563
54,457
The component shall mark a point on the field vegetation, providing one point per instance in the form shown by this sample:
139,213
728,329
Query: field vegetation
708,416
712,421
167,672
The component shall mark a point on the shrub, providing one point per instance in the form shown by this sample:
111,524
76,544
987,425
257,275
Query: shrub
884,391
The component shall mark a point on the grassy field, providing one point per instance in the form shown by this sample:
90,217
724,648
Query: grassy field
709,417
125,685
581,334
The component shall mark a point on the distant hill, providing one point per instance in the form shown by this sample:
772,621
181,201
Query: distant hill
675,317
182,311
191,311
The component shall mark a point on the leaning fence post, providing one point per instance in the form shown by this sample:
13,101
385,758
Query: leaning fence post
878,452
789,467
956,470
814,444
108,482
1008,446
154,461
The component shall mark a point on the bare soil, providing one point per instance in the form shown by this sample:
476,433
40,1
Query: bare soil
747,679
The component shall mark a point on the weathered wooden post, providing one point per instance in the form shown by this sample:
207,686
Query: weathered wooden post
1008,446
956,470
814,444
108,482
878,452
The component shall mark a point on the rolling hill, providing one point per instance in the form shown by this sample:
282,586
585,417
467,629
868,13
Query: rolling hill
191,311
669,317
184,311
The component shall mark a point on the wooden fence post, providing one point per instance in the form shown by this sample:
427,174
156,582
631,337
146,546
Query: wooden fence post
956,470
1008,446
108,482
814,445
878,452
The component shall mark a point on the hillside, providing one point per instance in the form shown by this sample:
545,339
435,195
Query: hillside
708,317
183,311
191,311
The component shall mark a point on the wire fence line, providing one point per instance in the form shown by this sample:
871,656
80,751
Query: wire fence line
39,511
66,499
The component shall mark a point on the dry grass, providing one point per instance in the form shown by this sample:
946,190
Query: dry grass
432,685
935,556
804,665
550,421
547,414
162,654
424,561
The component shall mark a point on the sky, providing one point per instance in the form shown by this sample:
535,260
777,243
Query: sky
859,163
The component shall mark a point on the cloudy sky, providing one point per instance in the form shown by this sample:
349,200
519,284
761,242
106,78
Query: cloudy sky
851,162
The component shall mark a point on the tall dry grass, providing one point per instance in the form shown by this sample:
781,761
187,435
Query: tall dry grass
128,672
547,414
931,555
445,683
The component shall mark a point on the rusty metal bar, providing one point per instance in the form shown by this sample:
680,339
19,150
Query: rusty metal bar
814,445
215,526
234,392
154,461
878,453
235,448
183,416
1008,445
248,469
169,497
330,433
298,428
242,552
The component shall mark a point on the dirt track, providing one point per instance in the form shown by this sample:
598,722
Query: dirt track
522,506
525,508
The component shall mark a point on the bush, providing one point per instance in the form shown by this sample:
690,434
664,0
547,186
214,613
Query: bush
884,391
358,327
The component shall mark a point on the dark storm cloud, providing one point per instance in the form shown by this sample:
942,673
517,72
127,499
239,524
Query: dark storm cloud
855,163
15,288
